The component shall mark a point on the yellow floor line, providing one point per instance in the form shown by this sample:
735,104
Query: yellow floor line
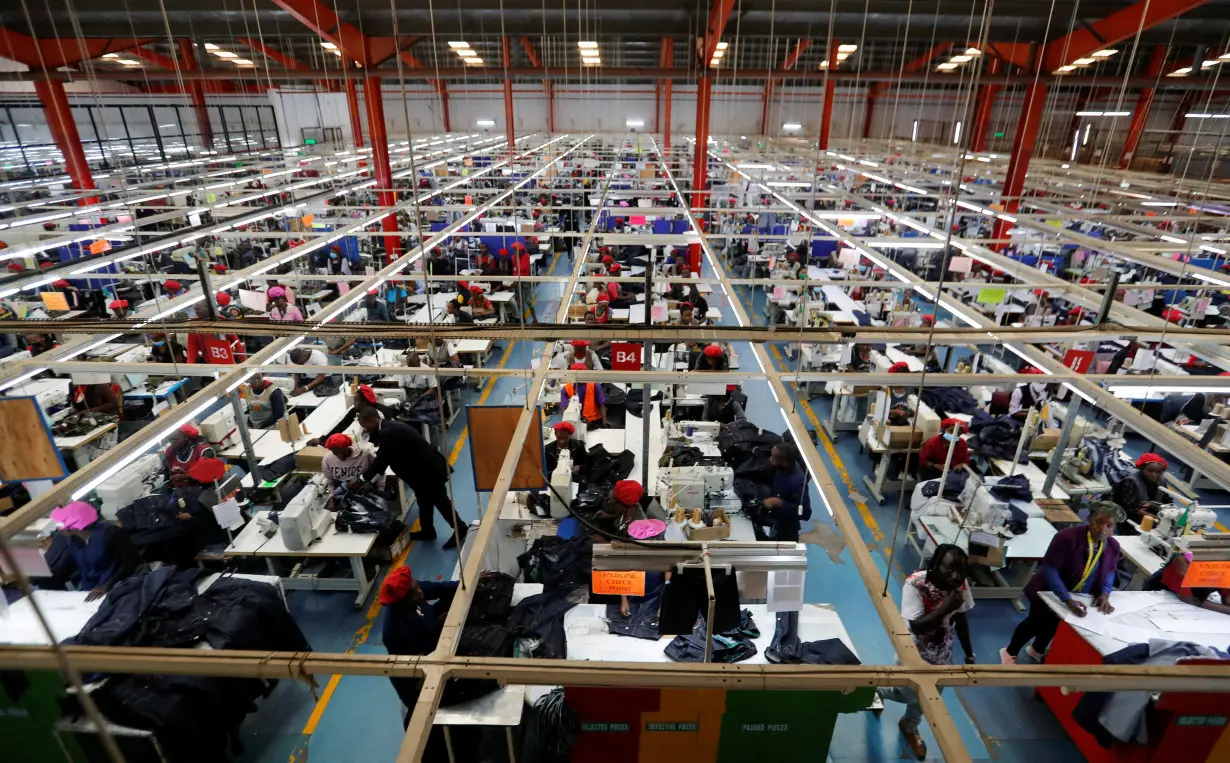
864,511
361,635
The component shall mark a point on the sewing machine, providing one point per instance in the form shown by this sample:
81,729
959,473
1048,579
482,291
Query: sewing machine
698,487
305,518
1167,526
561,485
137,480
220,428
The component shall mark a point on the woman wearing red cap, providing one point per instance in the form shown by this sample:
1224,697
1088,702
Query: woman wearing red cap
583,353
711,358
364,397
119,308
346,461
185,447
602,308
564,442
1138,493
593,400
173,288
934,451
623,508
412,623
480,306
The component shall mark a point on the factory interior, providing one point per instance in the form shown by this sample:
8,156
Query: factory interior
614,381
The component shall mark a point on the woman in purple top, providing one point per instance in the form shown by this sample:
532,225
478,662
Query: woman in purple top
1080,559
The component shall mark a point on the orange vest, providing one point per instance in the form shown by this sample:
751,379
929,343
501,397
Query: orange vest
589,406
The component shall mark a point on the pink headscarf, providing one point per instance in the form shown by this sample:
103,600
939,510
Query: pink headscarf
77,515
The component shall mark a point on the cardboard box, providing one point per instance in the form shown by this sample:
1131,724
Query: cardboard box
289,429
990,551
928,422
900,436
310,459
1048,440
711,533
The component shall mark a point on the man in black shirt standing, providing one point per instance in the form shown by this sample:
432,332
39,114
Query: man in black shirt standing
418,464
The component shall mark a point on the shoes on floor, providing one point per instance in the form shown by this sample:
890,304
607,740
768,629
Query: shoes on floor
423,534
1005,658
915,741
1034,654
452,542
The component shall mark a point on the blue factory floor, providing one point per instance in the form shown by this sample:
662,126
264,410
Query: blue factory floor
359,718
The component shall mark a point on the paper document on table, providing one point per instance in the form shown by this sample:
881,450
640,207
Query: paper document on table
1180,625
227,514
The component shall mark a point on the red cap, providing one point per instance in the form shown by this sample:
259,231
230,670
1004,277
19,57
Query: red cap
395,586
948,424
604,297
16,267
900,367
628,491
366,392
688,305
476,289
220,268
614,267
59,284
339,440
222,298
172,286
189,430
1173,315
577,367
1033,370
579,343
116,304
564,426
1151,458
607,259
713,351
503,252
928,320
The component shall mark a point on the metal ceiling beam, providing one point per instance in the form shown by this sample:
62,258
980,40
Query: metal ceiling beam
272,53
321,19
472,73
62,51
1111,30
718,15
877,88
791,59
166,62
1140,114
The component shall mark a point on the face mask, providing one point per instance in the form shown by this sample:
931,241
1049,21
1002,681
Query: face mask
158,344
948,436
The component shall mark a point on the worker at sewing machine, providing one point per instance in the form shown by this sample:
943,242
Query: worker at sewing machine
1032,395
934,452
185,447
622,509
266,402
347,461
480,306
593,400
584,354
1138,493
900,406
564,442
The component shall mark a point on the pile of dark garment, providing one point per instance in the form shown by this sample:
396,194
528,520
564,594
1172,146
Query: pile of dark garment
366,514
954,485
160,533
423,407
1105,463
604,468
733,645
194,718
995,436
786,647
81,422
1014,488
946,401
745,449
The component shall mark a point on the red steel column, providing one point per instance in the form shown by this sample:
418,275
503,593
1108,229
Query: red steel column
764,110
447,118
870,113
508,100
982,109
380,161
550,86
1141,114
830,92
196,90
64,130
352,103
700,165
666,96
1022,150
